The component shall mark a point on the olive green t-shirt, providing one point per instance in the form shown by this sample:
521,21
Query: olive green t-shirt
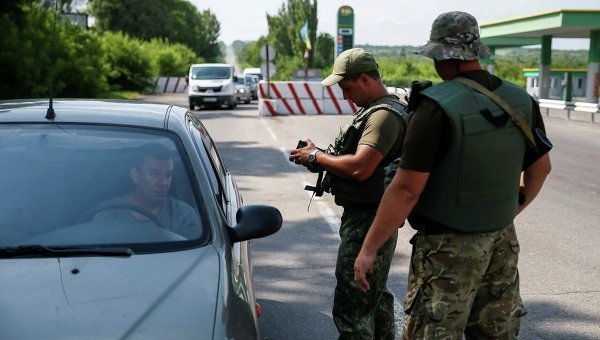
381,132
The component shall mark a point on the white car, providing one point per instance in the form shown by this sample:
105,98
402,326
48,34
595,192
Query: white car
211,85
82,254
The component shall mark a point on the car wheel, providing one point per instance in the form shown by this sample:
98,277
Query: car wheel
192,106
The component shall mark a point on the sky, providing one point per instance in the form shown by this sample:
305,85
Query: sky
384,22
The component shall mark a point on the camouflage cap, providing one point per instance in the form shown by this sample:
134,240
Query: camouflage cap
352,61
454,35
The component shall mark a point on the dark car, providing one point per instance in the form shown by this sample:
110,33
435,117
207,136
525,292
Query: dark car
243,89
119,220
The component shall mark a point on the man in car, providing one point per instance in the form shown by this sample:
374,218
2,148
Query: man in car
152,174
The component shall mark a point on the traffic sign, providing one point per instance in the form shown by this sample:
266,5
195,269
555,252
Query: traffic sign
263,53
263,68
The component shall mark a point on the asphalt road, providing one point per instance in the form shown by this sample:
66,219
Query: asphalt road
294,269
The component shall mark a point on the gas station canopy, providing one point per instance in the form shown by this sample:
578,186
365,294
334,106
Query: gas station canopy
540,29
528,30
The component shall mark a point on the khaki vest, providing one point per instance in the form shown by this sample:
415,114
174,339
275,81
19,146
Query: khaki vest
367,193
475,186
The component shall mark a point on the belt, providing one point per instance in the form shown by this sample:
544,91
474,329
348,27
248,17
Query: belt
430,227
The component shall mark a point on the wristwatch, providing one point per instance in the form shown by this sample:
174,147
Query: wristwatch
312,157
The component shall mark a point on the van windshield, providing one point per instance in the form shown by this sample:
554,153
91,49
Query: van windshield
203,72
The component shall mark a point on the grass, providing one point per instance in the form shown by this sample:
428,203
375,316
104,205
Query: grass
121,95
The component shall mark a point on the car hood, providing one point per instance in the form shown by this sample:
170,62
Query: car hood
154,296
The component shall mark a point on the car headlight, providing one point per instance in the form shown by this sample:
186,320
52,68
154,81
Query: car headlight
241,91
225,87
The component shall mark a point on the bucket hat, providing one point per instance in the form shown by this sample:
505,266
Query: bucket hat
454,35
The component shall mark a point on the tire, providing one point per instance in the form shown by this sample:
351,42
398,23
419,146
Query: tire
192,106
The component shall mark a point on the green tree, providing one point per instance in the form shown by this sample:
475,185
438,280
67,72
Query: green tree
323,51
249,56
34,59
128,66
169,59
284,35
178,21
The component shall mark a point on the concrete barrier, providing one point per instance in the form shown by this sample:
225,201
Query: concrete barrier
302,98
169,85
305,98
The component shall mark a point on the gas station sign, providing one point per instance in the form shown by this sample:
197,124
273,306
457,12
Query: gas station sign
345,29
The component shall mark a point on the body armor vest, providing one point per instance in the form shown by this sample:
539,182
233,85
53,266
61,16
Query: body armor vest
367,193
475,186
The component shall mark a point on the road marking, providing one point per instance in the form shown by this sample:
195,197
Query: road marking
325,211
273,136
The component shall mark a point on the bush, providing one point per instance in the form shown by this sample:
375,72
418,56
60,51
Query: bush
170,59
33,59
127,64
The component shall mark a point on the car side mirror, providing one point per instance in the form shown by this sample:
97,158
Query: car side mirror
235,78
255,221
187,79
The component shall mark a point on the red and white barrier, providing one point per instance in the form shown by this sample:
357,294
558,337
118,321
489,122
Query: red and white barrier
333,101
301,98
170,85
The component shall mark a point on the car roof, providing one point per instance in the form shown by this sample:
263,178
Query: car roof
212,65
95,111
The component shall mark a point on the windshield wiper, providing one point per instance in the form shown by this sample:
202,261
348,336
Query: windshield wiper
37,250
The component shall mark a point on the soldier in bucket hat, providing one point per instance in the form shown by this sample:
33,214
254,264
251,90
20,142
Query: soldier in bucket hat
462,179
356,168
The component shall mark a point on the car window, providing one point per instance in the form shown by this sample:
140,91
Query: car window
70,184
218,172
211,72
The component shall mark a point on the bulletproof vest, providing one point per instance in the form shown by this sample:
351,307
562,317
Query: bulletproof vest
475,186
367,193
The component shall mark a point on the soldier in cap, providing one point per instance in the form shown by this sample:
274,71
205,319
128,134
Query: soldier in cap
355,167
465,173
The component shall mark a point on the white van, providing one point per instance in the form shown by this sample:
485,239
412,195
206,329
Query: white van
212,85
253,71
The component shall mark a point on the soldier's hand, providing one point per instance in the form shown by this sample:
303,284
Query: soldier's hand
363,265
300,156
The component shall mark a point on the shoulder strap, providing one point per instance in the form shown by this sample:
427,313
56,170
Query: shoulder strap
517,117
403,115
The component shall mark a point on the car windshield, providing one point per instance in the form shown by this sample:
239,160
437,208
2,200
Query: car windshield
241,81
213,72
76,185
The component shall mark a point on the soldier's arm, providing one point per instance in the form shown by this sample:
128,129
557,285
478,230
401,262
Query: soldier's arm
533,178
379,135
358,166
398,200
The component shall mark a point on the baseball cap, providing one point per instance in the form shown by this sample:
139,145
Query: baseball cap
352,61
454,35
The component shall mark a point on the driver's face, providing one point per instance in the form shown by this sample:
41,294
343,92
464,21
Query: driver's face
153,178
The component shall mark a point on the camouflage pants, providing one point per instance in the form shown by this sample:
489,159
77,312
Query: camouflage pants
464,283
359,315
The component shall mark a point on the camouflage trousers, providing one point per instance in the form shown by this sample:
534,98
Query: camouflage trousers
359,315
464,283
